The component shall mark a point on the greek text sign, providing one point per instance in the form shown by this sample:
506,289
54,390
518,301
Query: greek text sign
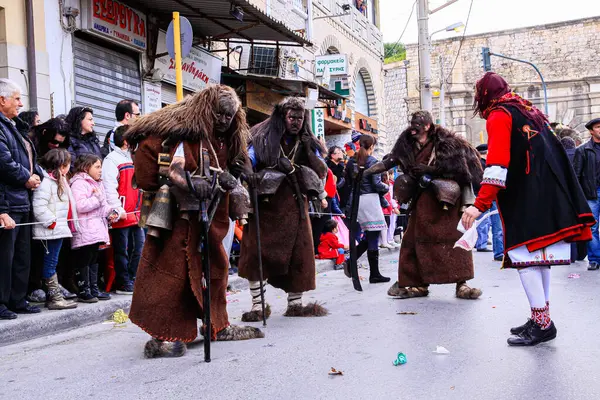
116,20
199,68
336,63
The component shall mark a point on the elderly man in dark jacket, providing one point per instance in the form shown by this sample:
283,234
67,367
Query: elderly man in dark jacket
19,177
587,169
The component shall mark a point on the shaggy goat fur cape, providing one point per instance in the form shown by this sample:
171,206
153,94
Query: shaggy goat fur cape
288,253
427,255
168,298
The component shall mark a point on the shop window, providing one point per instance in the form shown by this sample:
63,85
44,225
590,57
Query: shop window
264,61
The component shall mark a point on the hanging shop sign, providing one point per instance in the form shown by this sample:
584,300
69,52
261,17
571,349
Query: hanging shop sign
332,65
318,122
365,124
116,21
200,68
152,100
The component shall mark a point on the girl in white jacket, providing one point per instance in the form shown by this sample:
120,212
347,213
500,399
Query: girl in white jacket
52,203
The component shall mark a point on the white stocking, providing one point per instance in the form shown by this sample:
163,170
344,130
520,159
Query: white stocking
533,283
546,279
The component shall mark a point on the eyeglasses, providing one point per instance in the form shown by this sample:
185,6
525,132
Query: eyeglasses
137,114
56,142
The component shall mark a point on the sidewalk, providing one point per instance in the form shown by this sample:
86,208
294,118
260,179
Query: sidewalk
28,327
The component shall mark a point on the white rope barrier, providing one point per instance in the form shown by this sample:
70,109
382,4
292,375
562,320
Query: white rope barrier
65,220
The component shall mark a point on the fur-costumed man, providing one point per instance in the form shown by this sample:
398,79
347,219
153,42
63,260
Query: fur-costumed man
206,130
431,158
287,243
539,198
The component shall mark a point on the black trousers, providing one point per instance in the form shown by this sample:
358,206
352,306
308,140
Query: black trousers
15,262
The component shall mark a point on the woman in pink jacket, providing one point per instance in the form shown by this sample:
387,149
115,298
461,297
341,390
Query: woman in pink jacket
94,213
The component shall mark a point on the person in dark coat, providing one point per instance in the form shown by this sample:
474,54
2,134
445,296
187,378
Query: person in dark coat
579,249
587,169
20,175
82,136
541,203
370,213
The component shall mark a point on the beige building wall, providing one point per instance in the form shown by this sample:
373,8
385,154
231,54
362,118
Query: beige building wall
564,52
13,50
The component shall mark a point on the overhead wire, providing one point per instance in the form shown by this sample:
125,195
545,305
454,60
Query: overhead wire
391,51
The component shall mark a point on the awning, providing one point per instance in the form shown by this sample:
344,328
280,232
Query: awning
286,87
211,19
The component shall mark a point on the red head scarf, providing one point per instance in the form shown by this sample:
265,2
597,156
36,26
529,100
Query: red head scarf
492,92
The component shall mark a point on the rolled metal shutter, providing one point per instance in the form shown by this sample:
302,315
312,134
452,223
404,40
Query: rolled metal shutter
169,93
103,77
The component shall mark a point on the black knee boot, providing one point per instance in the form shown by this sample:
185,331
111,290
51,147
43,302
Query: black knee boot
82,277
94,289
362,246
375,276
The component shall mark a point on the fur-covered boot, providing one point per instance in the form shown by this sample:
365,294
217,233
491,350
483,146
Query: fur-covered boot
398,292
463,291
236,332
310,310
157,348
256,315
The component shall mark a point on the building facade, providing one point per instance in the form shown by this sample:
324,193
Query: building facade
13,51
101,51
564,53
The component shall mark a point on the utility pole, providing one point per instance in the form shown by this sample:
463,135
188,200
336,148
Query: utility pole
442,94
424,55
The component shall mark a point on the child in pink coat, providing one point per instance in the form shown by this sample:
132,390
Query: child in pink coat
94,214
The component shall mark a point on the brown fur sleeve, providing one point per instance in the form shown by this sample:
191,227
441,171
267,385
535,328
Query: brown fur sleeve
146,167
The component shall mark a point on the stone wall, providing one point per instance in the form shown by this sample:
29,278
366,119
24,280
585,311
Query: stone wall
396,104
564,52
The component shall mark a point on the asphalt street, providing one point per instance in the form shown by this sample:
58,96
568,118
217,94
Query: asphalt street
361,337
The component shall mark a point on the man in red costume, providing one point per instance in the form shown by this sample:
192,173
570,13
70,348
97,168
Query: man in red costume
542,206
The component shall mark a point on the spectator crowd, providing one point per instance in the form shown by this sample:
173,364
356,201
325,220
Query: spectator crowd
67,207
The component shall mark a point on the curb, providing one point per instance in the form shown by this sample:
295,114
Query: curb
27,327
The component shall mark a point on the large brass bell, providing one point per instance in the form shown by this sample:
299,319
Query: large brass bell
147,199
161,215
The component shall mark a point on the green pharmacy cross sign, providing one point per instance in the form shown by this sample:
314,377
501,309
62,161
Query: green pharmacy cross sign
318,122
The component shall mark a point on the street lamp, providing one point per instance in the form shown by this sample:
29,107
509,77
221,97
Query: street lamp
457,27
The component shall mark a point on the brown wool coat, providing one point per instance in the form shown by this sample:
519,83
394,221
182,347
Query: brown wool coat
287,245
427,255
167,301
288,253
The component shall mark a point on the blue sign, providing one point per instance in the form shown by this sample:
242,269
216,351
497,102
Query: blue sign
187,37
